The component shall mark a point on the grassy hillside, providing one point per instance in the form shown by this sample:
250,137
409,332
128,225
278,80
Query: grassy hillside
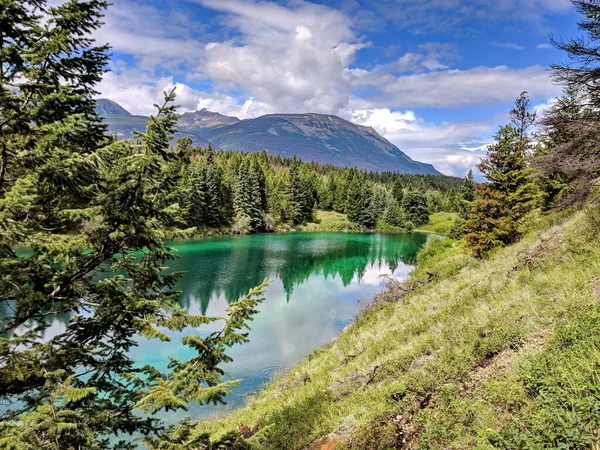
502,353
440,223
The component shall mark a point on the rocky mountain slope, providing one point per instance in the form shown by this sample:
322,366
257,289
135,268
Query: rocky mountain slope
312,137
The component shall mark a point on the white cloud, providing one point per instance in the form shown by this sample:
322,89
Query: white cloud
291,58
479,86
544,46
508,45
452,148
431,56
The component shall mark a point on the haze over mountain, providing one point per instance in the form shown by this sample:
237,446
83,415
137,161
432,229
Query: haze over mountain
312,137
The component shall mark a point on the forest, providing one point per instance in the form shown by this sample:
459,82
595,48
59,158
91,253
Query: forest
250,193
85,223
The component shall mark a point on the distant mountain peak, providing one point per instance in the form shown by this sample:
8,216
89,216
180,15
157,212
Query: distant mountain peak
108,108
315,137
204,118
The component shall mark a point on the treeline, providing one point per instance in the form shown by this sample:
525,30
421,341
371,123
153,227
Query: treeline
541,163
259,192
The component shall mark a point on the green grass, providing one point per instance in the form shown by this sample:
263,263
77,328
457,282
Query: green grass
503,353
440,223
330,221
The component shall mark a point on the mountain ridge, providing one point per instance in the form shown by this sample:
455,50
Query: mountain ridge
321,138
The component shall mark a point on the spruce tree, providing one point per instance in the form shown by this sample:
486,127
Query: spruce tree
510,192
92,215
393,213
415,207
298,197
468,187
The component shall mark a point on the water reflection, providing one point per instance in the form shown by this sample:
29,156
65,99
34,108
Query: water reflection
228,267
317,280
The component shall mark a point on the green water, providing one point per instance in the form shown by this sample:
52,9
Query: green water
316,282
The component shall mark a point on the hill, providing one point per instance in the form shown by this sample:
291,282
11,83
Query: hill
500,353
312,137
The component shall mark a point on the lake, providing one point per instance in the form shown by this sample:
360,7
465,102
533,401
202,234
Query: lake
317,280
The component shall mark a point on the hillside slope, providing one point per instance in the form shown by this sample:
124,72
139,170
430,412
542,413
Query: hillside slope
311,137
501,353
320,138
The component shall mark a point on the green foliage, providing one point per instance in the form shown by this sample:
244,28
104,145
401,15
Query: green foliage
511,193
415,207
440,223
224,191
93,215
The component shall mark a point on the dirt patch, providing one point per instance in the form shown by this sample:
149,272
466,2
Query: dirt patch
330,442
550,241
532,344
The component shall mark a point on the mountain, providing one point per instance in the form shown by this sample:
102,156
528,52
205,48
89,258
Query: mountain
108,108
123,124
316,137
312,137
205,119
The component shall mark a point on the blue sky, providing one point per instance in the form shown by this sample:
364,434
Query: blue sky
435,77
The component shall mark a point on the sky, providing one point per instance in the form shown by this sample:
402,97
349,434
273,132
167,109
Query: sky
435,77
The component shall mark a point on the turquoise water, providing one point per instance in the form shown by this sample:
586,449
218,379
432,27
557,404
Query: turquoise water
317,280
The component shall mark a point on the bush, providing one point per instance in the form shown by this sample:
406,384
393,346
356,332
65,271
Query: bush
457,230
242,224
269,222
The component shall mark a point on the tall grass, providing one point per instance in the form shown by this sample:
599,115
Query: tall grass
503,353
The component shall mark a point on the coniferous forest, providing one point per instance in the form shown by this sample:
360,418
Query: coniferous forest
484,347
251,193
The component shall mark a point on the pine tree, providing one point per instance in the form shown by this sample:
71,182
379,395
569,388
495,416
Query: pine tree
511,193
85,205
359,202
415,207
214,193
393,213
468,187
299,198
354,193
398,190
248,195
490,223
199,202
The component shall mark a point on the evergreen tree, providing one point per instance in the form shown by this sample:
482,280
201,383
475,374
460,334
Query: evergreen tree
214,193
198,198
468,187
327,188
301,193
398,190
247,198
359,202
494,218
393,213
415,208
490,223
84,205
